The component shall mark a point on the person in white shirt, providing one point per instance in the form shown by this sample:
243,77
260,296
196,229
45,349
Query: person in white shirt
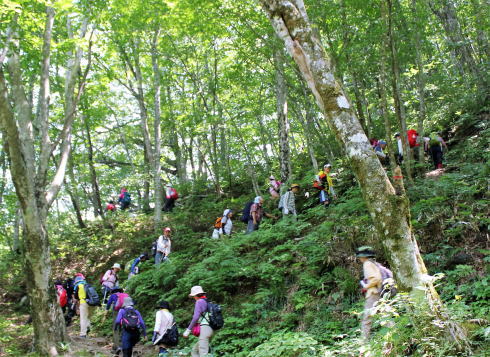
164,244
164,321
399,156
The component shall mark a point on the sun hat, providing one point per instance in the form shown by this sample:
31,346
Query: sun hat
295,185
195,290
167,229
397,134
327,165
382,142
168,185
128,302
365,251
116,266
272,178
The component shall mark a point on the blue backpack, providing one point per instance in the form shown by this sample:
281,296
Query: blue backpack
246,212
126,198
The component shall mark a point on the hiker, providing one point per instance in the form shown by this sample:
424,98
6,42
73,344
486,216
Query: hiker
80,296
379,150
131,324
413,142
399,155
256,214
171,196
163,246
111,207
201,318
274,187
116,301
124,199
371,286
434,145
223,224
68,284
62,295
134,269
324,184
109,280
164,321
287,202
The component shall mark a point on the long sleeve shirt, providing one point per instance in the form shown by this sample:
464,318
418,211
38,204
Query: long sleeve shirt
81,294
200,309
134,265
120,315
227,225
372,276
289,205
163,321
109,279
164,245
400,146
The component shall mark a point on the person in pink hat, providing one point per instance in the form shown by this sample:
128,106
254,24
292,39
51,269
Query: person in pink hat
201,317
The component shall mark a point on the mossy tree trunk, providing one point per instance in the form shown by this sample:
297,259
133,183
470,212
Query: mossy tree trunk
389,210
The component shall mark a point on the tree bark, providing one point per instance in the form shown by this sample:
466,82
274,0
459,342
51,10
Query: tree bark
282,117
389,211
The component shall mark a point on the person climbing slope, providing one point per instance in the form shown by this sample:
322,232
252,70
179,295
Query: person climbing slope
163,246
164,321
109,280
81,297
171,196
434,146
201,319
324,184
124,199
111,207
132,325
134,268
287,203
256,214
379,150
371,286
116,301
274,187
223,224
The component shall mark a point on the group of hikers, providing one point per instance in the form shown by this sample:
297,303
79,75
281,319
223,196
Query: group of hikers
433,146
77,297
124,200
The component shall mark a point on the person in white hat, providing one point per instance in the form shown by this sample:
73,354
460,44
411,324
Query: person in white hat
109,280
164,245
274,187
171,196
201,317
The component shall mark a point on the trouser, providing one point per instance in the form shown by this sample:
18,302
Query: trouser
436,153
116,332
201,348
71,308
368,312
324,198
107,292
169,205
85,311
252,227
160,258
399,159
128,341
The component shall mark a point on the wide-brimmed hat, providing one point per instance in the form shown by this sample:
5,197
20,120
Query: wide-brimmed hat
116,266
128,302
295,185
196,290
397,134
365,252
271,177
167,229
327,166
168,185
163,305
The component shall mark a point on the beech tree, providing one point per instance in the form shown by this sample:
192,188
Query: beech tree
388,208
31,143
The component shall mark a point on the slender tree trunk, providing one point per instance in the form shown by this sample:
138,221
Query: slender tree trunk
395,82
157,132
99,210
72,192
16,246
389,211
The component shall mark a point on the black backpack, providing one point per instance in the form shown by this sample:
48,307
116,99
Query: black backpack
126,198
130,320
215,316
246,212
171,337
92,297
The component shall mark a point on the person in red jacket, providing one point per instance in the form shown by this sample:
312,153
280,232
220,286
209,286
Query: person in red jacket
171,196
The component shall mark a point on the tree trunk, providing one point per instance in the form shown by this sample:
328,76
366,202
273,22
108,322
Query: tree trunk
99,210
282,116
390,212
72,192
395,82
157,132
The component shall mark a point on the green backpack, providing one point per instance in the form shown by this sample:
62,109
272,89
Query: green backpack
434,139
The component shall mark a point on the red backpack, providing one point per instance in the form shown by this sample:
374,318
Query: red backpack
174,194
412,137
120,300
62,295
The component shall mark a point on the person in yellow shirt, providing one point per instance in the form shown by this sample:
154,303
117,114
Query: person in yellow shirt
371,286
81,296
324,184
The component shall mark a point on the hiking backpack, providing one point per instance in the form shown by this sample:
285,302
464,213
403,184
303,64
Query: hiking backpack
92,297
218,224
130,320
412,137
62,295
174,194
171,337
434,139
246,212
215,316
388,285
126,198
120,300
